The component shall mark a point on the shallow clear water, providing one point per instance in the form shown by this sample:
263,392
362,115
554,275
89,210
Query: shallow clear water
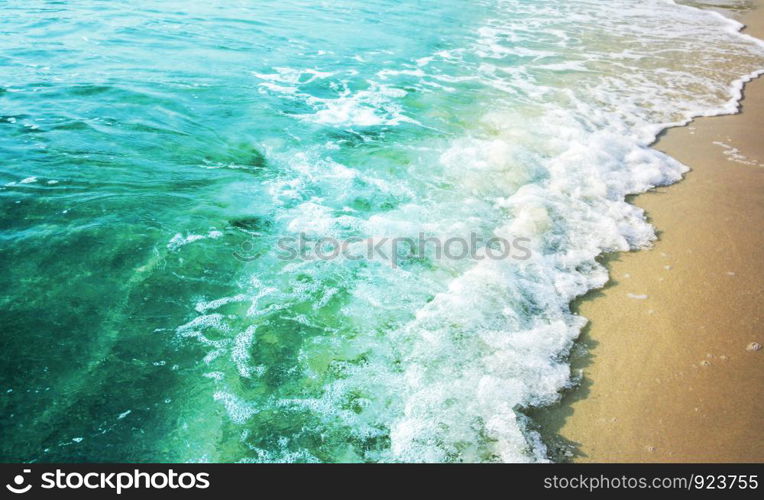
152,155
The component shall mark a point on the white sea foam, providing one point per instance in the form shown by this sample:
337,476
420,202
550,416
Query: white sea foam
179,240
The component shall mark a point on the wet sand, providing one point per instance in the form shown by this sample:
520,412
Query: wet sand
666,373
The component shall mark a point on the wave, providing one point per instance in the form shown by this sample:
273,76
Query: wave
537,124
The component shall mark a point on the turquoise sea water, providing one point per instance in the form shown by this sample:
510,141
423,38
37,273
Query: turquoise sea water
153,155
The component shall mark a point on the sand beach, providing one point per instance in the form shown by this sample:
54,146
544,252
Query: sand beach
669,366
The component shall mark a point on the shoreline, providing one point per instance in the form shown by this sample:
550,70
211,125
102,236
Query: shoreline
663,366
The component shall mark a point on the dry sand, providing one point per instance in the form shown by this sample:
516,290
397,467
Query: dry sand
666,373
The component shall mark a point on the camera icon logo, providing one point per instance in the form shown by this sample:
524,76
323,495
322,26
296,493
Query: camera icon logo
18,481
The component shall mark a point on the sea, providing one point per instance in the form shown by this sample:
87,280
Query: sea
324,231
